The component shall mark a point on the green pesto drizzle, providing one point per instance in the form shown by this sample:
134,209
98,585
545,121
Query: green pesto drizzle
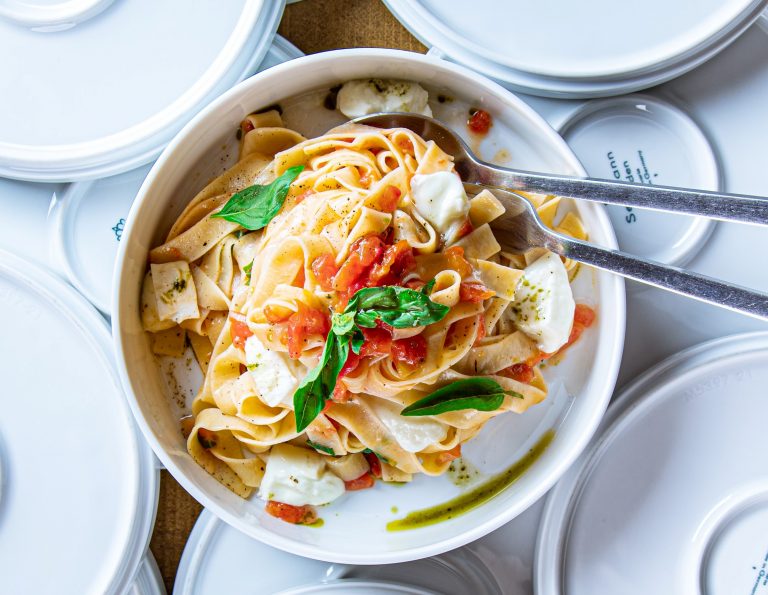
316,524
475,497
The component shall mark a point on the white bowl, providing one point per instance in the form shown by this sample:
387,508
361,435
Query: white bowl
354,530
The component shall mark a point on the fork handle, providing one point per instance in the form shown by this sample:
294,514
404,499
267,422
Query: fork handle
714,205
700,287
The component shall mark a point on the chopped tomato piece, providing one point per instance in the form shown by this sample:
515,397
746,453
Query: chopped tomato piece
412,351
474,292
206,438
389,198
243,368
302,324
521,372
353,359
300,278
396,261
298,515
365,481
340,393
363,253
481,328
583,317
276,314
450,455
246,126
457,262
480,122
374,463
239,331
324,268
465,229
378,341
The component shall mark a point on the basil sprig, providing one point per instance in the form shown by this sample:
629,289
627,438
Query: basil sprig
399,307
396,306
321,447
254,207
483,394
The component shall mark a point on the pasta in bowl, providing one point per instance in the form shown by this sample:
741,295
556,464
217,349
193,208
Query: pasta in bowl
353,312
356,334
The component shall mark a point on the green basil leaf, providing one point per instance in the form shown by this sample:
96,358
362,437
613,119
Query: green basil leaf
254,207
326,449
317,386
247,270
357,341
427,289
343,324
381,457
399,307
483,394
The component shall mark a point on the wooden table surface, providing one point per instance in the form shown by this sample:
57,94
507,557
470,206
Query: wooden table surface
313,26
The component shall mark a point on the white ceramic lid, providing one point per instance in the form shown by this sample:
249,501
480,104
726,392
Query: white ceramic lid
355,587
672,496
579,40
220,559
643,139
90,216
457,45
148,580
78,487
102,90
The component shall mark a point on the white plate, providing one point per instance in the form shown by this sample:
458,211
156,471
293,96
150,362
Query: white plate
513,46
148,580
643,139
78,486
579,387
218,559
584,40
672,496
104,95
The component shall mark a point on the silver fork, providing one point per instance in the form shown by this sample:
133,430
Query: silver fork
522,230
715,205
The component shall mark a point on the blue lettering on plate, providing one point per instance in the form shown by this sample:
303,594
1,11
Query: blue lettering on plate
118,229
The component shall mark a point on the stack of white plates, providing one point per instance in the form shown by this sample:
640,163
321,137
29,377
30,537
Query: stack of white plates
92,88
78,485
590,48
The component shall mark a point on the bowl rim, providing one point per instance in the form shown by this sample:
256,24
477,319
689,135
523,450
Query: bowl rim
613,286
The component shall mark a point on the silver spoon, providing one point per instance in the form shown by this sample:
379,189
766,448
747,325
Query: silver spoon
522,230
714,205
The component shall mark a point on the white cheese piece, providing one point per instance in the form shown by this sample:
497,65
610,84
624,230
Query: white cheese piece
544,303
413,434
440,199
175,291
298,476
275,375
370,96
